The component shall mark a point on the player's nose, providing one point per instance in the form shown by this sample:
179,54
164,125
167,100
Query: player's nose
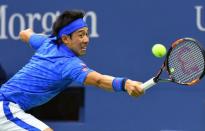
86,40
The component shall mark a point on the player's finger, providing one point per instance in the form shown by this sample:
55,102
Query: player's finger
135,92
139,89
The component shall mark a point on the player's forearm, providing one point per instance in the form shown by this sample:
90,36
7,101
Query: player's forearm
110,83
99,80
106,82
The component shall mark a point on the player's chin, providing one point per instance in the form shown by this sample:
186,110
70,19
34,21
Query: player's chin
83,52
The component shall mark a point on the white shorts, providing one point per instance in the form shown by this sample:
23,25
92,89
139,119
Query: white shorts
13,118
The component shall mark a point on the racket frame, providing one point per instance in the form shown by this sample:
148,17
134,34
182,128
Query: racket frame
151,82
174,44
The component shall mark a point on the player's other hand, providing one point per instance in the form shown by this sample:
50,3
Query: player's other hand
25,35
134,88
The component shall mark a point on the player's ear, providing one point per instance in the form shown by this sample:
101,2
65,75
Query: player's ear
66,39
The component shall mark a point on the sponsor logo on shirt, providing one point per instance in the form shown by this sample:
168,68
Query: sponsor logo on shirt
84,67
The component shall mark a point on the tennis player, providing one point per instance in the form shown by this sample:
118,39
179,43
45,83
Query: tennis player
51,69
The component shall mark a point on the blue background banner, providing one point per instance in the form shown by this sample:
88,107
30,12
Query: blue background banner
121,36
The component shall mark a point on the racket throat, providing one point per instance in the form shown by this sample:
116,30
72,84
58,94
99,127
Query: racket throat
156,79
165,80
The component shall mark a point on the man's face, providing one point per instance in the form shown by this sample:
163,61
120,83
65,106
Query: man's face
78,41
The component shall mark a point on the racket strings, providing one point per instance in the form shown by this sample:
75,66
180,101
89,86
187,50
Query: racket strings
186,62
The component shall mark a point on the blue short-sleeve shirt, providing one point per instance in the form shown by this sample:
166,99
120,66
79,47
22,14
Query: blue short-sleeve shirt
50,70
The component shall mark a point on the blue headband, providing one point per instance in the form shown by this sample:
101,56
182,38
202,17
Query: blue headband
75,25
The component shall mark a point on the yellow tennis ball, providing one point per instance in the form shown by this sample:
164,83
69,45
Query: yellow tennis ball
159,50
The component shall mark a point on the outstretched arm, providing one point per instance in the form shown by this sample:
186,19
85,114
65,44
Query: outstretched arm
133,88
35,40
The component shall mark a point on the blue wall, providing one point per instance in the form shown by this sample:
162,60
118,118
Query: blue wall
121,46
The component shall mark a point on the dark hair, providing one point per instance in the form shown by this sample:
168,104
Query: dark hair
66,18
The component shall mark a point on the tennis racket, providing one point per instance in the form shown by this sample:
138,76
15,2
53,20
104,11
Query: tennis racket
184,64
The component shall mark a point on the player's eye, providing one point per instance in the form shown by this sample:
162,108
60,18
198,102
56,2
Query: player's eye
81,35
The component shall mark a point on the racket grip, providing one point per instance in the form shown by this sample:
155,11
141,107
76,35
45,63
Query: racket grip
148,84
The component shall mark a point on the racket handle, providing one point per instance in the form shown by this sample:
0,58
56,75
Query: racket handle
148,84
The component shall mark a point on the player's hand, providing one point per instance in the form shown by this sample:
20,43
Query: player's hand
25,35
134,88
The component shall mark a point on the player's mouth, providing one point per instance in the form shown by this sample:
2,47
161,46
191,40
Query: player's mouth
84,48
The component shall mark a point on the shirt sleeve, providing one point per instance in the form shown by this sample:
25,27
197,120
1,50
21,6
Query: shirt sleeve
36,40
77,71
